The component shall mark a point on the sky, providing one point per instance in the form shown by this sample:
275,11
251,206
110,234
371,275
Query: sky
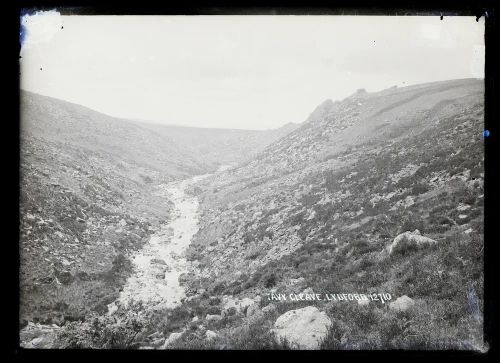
245,72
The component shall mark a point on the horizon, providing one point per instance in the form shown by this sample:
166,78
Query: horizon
142,121
217,72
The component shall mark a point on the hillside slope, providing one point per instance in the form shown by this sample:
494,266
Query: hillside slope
215,147
89,185
322,204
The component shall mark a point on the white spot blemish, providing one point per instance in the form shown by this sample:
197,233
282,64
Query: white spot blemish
40,27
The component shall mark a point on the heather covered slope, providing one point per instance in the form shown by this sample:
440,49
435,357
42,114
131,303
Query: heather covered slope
322,204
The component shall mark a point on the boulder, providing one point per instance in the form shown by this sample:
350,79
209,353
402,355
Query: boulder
271,308
410,238
64,277
363,302
157,343
160,275
252,309
38,336
213,317
298,281
308,291
209,334
157,261
171,339
402,304
304,327
255,317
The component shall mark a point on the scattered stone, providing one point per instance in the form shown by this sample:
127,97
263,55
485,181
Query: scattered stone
122,222
304,327
470,230
195,319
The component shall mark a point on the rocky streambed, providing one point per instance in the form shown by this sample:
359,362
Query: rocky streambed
158,266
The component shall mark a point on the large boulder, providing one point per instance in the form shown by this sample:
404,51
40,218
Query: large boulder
410,239
304,327
402,304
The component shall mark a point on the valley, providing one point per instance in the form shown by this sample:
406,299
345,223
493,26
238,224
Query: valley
144,236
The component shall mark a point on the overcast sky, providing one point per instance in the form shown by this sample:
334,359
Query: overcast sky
251,72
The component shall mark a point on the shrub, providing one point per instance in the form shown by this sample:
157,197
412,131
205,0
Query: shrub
419,188
269,280
118,331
